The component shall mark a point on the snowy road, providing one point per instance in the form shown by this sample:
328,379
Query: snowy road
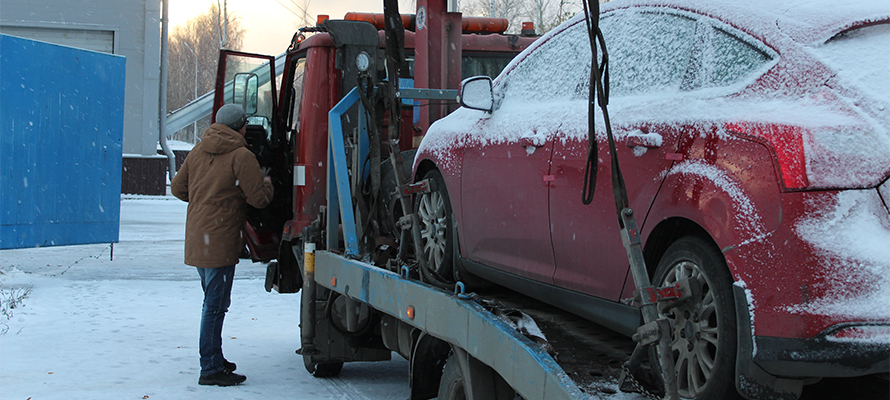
93,328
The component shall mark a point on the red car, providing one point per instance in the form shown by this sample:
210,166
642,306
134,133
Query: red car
753,138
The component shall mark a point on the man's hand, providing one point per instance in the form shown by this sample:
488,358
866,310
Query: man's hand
267,179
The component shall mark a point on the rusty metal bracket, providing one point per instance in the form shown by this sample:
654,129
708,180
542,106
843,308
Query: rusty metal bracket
650,333
424,186
670,296
630,236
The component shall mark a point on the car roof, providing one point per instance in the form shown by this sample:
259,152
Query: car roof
804,21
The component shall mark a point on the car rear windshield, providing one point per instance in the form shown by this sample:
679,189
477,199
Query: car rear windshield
861,58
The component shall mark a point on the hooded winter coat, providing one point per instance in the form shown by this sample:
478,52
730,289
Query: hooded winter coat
218,179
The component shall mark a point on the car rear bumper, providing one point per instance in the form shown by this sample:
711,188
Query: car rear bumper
844,350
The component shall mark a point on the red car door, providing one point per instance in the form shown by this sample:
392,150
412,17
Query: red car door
590,257
504,195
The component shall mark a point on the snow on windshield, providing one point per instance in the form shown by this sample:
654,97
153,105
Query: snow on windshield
854,234
861,58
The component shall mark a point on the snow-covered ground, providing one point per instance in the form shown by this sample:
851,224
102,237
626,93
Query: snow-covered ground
93,327
96,327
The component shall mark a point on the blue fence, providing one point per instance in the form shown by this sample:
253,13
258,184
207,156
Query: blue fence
61,126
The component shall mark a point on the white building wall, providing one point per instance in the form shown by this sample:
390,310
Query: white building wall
135,28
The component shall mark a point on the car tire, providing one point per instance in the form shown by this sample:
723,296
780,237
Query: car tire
436,226
704,329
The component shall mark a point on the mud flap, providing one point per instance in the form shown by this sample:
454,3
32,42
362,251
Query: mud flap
481,382
286,275
752,382
271,275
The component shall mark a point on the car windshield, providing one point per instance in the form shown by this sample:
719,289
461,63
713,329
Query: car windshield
860,58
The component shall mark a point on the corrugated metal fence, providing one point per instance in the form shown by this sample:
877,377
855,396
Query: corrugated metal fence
61,126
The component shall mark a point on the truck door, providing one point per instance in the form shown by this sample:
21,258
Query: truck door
249,81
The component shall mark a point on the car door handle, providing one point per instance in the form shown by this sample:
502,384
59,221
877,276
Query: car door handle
531,142
638,138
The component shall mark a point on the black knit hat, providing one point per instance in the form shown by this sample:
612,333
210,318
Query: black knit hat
231,115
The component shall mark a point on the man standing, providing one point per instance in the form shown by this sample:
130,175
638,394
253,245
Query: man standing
218,179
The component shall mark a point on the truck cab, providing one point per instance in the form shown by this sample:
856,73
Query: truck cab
288,98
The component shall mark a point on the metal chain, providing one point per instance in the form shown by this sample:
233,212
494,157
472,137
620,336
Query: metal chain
629,378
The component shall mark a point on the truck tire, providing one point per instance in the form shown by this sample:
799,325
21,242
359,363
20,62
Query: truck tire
451,386
391,203
704,329
322,370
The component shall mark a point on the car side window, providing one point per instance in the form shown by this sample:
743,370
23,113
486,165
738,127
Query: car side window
721,59
648,51
552,69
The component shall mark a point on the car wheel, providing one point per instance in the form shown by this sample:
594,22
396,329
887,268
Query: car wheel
703,345
434,212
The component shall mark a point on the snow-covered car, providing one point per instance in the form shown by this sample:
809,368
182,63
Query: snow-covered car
753,139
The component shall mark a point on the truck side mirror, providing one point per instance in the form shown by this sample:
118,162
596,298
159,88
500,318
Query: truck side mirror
476,93
246,92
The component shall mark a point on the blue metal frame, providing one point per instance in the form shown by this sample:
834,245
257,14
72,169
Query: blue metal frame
464,323
340,206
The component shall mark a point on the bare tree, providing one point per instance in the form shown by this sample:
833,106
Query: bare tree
546,14
300,10
192,57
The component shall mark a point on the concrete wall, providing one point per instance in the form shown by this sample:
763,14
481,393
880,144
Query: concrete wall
134,26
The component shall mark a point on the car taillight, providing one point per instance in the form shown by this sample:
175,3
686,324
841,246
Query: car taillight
838,156
786,143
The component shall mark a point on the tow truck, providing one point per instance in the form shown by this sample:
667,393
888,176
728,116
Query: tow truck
341,228
332,229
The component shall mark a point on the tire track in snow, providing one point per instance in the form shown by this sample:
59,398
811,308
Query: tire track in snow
343,389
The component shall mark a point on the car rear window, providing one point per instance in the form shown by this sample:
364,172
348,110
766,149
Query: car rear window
861,58
721,60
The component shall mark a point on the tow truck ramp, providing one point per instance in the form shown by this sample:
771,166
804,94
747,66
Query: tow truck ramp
454,318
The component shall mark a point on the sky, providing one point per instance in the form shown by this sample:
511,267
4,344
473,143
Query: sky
269,25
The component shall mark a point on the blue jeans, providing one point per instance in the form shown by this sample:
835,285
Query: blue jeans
217,285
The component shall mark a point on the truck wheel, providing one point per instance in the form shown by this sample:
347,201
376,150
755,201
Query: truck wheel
436,226
704,329
451,386
322,370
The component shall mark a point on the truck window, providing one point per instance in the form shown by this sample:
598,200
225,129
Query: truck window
296,94
476,64
261,113
479,64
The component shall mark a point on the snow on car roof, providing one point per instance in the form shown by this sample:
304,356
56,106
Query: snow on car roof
804,21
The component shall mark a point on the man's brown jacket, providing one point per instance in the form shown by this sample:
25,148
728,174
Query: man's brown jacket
218,179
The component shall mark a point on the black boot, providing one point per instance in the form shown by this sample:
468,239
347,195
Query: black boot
229,365
222,378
